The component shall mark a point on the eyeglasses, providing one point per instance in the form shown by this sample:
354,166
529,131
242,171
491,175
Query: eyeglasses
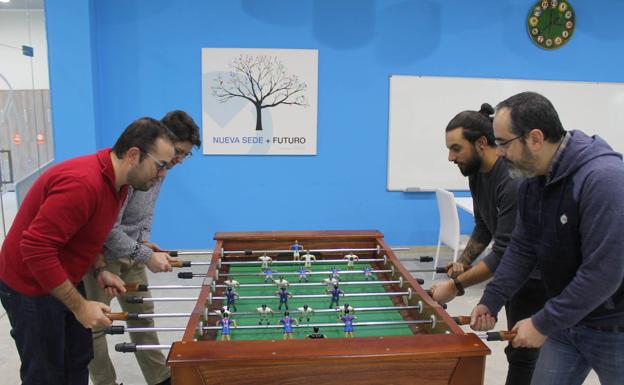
181,154
506,142
160,165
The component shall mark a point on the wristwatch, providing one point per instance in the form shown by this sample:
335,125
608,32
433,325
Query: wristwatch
459,287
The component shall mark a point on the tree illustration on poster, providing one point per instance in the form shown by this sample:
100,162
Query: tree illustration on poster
263,80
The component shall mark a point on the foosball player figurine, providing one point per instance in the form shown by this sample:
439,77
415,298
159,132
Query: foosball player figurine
268,275
225,311
335,272
330,281
288,322
283,297
281,282
368,273
226,324
305,312
316,334
307,260
346,308
335,293
303,274
264,312
231,296
296,248
265,261
351,259
347,319
230,282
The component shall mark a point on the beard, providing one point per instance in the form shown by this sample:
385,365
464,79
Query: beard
470,166
516,173
522,168
138,182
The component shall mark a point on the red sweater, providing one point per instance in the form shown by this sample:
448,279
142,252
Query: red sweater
61,225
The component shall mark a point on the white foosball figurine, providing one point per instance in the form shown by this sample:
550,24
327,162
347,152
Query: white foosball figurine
265,261
307,260
264,312
306,312
351,259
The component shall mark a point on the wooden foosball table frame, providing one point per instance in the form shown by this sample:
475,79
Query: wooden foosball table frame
443,354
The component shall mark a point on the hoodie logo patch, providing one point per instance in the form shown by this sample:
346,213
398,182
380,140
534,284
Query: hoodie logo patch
563,219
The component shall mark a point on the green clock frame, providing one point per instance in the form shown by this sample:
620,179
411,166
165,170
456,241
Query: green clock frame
551,23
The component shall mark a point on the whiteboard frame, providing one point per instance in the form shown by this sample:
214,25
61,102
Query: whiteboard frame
420,107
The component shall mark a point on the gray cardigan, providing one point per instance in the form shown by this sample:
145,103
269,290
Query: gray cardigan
133,226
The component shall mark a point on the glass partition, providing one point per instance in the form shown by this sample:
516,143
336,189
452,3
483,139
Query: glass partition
26,145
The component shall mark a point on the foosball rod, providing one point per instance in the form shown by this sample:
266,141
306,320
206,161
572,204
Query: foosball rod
188,274
131,347
128,347
345,283
137,299
319,261
124,316
407,293
145,287
291,262
438,270
191,275
502,335
322,261
176,253
120,329
219,263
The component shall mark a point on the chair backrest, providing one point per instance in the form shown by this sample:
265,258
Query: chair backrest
449,219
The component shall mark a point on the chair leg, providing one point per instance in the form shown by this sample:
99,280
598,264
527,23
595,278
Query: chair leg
455,253
435,264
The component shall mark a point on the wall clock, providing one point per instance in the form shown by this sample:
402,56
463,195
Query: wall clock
550,23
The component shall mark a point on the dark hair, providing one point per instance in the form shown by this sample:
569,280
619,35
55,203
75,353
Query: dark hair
316,329
142,133
475,124
529,111
183,126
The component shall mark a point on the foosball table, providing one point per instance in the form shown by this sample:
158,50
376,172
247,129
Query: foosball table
328,307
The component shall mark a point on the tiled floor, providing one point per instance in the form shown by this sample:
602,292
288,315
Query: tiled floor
129,373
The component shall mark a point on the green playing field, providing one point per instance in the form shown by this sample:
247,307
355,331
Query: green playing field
250,305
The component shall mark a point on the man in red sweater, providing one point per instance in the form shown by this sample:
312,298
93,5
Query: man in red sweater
57,236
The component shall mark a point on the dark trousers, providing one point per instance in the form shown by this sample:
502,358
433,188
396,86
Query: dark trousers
527,301
53,346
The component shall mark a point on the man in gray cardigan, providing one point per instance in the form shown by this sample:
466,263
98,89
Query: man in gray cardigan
128,251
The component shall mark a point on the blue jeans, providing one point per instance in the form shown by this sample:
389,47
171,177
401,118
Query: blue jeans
53,346
568,355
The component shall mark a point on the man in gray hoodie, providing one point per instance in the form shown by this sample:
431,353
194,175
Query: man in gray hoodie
128,251
570,223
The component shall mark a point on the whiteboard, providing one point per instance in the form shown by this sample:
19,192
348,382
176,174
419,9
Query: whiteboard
422,106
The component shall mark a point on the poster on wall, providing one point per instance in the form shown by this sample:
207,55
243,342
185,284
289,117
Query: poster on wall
259,101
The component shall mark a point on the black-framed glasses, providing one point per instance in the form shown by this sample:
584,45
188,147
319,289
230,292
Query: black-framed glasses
506,142
160,165
181,154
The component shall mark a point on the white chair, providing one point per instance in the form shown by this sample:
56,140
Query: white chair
449,224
